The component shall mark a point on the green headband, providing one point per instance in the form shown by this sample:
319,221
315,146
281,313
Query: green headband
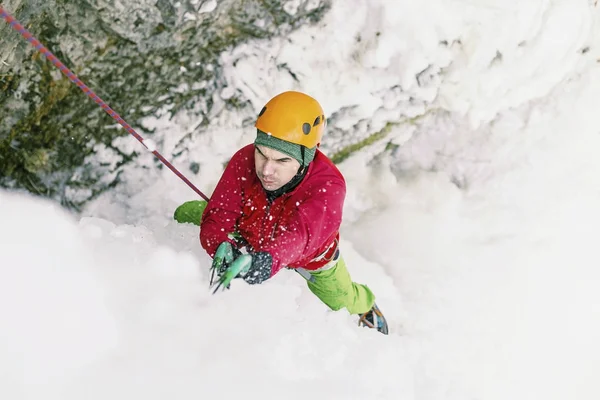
302,154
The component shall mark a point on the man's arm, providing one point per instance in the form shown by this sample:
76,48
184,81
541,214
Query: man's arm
225,205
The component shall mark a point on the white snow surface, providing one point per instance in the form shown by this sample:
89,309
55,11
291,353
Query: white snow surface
478,234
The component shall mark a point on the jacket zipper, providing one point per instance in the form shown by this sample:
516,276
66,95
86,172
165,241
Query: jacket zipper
267,214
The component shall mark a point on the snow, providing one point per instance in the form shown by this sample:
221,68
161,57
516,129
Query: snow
478,234
54,317
208,6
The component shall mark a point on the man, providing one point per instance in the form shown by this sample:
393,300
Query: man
279,205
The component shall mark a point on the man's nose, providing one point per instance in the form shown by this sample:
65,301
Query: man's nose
267,168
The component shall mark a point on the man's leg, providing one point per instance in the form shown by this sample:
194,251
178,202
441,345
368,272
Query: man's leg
335,288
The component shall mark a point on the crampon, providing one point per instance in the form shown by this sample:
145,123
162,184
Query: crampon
374,319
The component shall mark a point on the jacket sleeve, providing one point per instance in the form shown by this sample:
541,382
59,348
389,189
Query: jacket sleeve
225,205
314,223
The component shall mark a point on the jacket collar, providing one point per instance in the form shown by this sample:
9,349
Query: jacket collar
288,187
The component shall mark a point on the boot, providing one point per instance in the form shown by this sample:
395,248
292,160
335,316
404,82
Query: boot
374,319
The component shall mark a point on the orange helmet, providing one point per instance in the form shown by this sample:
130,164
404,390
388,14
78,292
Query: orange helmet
294,117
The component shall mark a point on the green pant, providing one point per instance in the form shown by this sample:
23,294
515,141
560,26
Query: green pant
335,288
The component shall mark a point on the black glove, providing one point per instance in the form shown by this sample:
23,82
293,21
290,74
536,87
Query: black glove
260,270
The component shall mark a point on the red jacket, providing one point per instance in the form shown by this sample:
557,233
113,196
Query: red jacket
295,229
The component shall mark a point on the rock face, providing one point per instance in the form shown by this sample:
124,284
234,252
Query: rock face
143,57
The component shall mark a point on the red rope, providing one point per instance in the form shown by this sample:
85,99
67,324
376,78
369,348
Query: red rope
90,93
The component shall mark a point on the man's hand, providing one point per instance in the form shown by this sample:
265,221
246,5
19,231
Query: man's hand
190,212
224,256
229,263
260,269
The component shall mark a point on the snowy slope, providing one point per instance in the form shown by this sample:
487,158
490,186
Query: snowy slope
478,234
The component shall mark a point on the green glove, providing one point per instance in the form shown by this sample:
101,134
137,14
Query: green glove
229,263
190,212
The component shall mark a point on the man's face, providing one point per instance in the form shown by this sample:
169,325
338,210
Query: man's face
274,168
